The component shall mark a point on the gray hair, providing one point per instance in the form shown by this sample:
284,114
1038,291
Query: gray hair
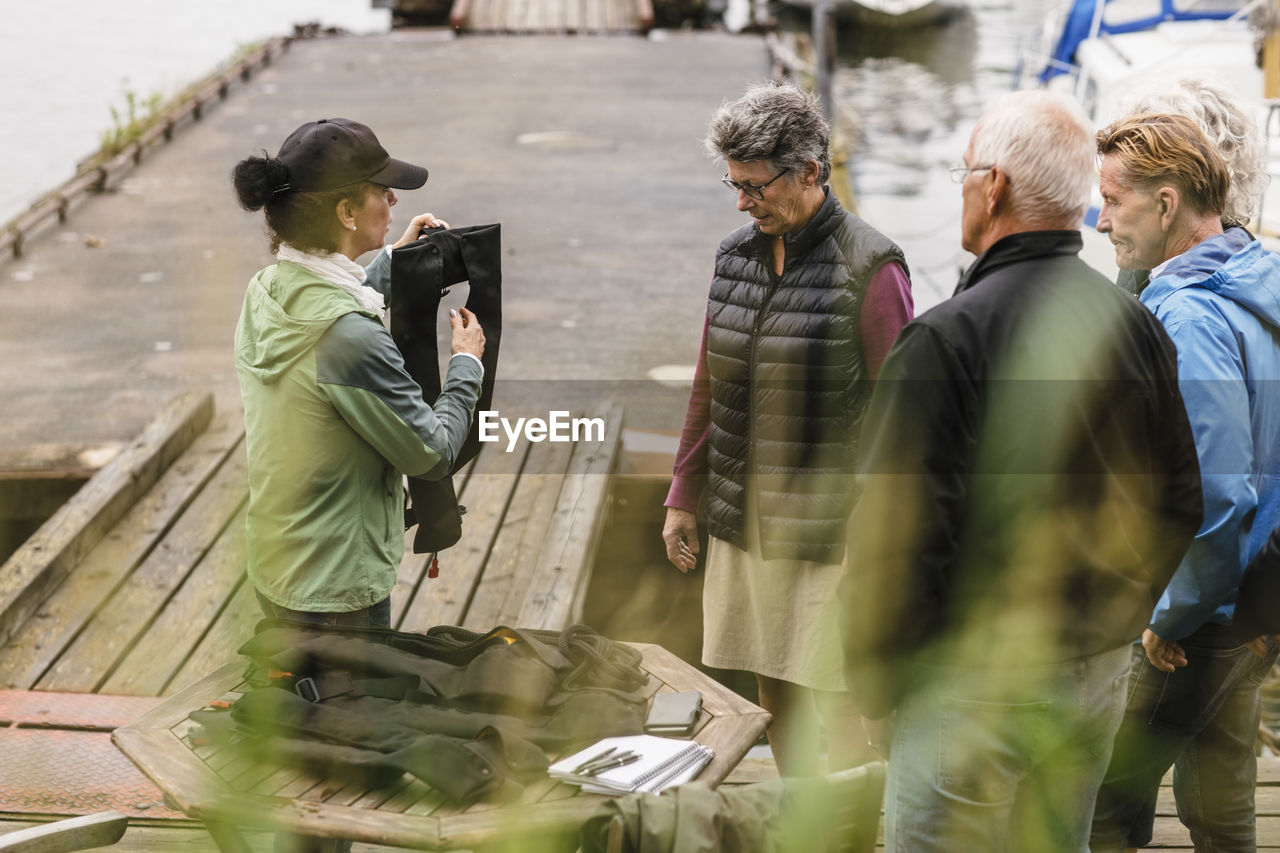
775,122
1231,129
1043,142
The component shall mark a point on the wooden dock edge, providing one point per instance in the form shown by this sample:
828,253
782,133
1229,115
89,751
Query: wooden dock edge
558,585
53,551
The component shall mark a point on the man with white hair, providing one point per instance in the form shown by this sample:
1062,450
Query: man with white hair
1029,483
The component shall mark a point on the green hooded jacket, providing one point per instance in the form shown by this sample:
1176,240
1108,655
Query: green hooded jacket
332,420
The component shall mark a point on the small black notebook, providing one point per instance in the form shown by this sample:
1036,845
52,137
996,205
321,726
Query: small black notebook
674,713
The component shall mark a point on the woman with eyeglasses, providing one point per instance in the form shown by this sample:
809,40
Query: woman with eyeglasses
332,418
805,302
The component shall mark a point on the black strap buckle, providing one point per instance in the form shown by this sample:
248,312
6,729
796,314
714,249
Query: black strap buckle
307,689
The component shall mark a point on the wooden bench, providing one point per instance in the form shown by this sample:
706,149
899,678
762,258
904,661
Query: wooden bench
136,585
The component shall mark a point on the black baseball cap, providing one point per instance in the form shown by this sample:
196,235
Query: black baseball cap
336,152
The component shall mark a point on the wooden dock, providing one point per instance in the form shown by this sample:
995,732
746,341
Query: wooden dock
564,17
137,587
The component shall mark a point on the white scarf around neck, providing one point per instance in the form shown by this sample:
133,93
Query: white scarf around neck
340,271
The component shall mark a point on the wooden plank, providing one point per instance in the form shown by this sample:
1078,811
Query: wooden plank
169,838
1269,770
541,15
53,551
550,17
161,651
272,784
594,15
1170,834
467,830
252,777
149,744
77,833
572,15
413,567
752,770
325,821
501,593
1266,802
432,803
477,15
378,797
412,575
443,600
481,18
513,19
406,797
33,650
110,634
232,629
558,586
300,785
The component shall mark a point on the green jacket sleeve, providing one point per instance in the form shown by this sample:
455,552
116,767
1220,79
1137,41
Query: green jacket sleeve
363,374
378,273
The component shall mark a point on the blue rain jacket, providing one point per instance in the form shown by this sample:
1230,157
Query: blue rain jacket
1220,302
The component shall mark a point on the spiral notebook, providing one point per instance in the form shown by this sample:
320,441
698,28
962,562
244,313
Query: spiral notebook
662,763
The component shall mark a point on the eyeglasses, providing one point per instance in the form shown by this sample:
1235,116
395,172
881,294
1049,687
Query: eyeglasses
754,192
959,173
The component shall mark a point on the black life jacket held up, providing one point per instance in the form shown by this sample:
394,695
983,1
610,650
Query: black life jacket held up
421,274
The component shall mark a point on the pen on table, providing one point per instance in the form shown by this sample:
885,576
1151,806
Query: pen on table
584,765
620,761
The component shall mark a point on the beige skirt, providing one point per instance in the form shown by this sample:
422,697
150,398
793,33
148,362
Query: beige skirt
778,618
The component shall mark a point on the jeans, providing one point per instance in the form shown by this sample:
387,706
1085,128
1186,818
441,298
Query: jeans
992,759
1202,719
374,616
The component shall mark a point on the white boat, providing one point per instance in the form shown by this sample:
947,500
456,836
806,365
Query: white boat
889,14
1110,53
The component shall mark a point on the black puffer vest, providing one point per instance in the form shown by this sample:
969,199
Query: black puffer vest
788,381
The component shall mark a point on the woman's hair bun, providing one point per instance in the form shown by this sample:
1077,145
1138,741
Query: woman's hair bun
257,179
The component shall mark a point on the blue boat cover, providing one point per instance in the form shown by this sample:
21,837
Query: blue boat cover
1080,21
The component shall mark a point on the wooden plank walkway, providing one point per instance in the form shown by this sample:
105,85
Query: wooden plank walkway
563,17
136,586
1169,832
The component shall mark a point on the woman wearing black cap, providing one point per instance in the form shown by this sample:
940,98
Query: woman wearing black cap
332,420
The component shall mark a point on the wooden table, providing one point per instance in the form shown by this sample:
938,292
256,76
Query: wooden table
227,793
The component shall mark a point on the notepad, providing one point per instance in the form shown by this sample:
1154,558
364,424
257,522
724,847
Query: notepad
663,762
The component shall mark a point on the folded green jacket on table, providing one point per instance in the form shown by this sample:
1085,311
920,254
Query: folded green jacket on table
470,714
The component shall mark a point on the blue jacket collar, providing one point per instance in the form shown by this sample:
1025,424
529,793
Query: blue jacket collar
1232,265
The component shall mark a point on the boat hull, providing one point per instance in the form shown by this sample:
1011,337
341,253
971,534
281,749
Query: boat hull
888,14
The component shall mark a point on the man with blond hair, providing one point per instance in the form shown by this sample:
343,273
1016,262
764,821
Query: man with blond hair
1193,699
1028,485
